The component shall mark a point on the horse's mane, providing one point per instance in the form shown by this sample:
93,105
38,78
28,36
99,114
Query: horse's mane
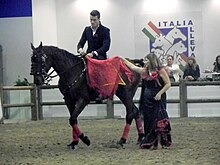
53,50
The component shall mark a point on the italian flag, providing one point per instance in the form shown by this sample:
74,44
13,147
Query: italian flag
151,31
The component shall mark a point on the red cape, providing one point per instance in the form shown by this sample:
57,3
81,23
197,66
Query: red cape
106,75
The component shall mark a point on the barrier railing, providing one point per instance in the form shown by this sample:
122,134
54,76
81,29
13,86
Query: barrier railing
37,102
33,104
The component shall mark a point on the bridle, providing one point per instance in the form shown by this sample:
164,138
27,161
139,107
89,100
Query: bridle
38,67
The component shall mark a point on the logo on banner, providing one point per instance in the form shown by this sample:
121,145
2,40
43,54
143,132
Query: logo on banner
171,38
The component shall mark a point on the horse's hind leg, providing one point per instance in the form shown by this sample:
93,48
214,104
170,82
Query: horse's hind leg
139,125
127,101
132,113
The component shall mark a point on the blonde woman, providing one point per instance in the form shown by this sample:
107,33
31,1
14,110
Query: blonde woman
156,82
191,70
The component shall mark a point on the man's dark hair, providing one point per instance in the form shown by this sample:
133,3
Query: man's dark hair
170,56
95,13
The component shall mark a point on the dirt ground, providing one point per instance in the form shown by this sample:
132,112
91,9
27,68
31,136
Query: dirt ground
195,141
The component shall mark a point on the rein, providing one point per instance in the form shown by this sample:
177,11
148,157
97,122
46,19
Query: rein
80,76
48,77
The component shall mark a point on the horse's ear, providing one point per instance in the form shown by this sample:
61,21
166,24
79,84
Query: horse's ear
32,47
41,45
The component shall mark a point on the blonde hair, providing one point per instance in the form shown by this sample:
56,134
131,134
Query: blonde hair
194,62
154,62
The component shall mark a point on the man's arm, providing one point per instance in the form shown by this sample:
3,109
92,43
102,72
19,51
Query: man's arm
82,42
106,42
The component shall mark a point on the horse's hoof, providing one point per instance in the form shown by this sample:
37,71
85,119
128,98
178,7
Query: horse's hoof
121,142
73,144
85,139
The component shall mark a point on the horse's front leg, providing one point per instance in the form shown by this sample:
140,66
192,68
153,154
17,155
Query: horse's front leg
70,103
80,105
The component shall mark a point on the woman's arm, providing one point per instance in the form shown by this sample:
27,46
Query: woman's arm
166,86
197,73
185,72
133,67
215,68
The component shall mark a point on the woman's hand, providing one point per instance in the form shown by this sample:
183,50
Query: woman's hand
190,78
158,96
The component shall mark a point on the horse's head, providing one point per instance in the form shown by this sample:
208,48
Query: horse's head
39,66
180,47
176,33
159,40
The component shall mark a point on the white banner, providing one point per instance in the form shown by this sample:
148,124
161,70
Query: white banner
175,34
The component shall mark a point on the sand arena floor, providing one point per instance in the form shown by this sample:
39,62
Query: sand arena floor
195,141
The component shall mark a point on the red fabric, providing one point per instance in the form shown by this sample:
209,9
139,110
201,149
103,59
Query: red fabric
76,130
106,75
75,137
126,131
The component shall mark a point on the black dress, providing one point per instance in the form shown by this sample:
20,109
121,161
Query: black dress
156,121
190,71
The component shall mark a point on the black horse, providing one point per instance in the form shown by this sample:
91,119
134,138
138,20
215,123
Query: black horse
75,89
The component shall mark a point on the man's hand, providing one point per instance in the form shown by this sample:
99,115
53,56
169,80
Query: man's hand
81,52
90,54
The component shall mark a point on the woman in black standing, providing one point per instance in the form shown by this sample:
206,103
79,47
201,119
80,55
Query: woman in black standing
155,82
